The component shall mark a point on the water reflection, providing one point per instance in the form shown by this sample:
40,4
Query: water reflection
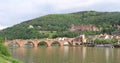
66,54
66,50
107,52
84,53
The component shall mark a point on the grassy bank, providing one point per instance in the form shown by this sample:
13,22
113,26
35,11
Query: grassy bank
5,59
5,54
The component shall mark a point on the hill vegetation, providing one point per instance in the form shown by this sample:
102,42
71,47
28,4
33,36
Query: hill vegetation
58,25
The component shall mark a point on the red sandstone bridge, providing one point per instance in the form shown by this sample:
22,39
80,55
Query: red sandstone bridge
35,42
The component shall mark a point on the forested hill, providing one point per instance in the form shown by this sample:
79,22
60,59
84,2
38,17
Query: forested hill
58,25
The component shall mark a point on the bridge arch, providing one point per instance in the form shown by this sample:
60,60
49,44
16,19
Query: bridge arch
13,44
67,43
29,44
76,43
42,43
55,43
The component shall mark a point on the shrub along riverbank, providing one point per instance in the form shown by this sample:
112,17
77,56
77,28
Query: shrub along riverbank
103,43
5,54
6,59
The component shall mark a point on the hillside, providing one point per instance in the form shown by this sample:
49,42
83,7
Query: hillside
58,25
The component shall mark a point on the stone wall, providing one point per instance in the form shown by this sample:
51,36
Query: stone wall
82,27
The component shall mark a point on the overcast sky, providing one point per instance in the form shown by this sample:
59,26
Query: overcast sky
15,11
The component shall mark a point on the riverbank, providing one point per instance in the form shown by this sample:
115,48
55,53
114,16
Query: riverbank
102,45
5,59
5,54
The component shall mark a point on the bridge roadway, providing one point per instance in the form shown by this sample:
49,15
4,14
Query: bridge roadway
35,42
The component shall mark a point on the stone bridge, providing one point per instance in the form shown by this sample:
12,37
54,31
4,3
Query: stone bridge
35,42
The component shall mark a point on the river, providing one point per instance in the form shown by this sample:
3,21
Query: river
66,54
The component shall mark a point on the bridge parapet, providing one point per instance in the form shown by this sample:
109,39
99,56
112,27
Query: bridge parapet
35,42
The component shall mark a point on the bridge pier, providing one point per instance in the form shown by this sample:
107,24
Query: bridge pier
48,44
73,44
35,45
21,45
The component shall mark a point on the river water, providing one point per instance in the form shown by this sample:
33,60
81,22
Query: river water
66,54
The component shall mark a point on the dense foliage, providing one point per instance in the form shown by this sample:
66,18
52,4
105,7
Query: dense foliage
3,49
5,54
105,41
61,24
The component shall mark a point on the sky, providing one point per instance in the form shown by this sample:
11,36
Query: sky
16,11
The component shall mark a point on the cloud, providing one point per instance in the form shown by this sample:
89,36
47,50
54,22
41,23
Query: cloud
16,11
2,27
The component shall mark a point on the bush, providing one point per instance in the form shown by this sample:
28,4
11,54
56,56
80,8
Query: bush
105,40
3,49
